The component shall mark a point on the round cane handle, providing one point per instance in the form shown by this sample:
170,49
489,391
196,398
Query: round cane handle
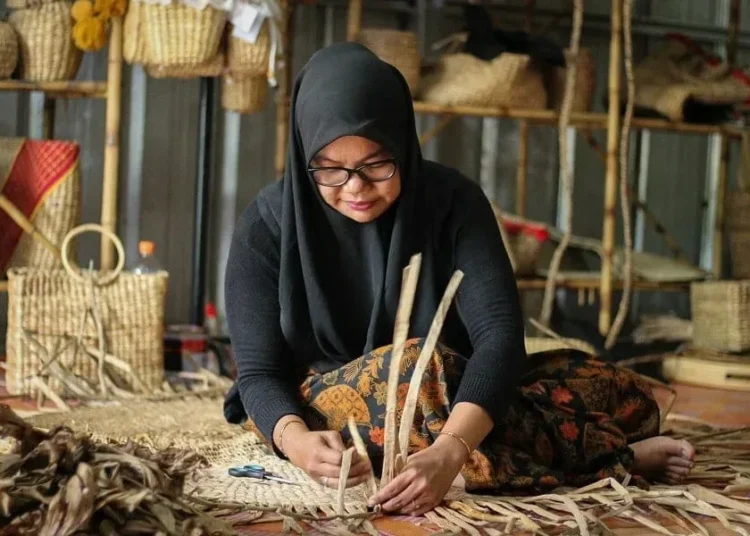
74,271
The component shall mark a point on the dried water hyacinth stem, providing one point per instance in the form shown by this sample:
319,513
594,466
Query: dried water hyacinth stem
400,333
627,288
359,445
567,183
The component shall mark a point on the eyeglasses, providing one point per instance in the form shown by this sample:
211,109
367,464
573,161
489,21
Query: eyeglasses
379,171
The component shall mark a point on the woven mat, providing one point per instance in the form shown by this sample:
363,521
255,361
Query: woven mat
195,424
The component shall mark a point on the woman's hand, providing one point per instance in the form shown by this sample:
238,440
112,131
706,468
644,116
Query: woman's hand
425,480
319,454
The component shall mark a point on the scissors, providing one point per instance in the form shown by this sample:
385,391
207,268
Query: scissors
258,471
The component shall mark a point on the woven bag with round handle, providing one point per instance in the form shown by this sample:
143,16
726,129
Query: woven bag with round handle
45,36
400,49
249,59
244,94
8,50
177,34
509,80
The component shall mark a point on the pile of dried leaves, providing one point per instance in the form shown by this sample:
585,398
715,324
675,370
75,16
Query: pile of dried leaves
58,483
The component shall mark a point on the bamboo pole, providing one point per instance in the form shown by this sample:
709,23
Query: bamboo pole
723,170
24,223
354,20
522,168
283,89
610,185
112,141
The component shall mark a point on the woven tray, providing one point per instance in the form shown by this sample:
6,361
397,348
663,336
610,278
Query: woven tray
721,315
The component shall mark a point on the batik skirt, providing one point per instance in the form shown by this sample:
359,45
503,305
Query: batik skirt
570,422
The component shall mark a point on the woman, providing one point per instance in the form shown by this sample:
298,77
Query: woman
312,287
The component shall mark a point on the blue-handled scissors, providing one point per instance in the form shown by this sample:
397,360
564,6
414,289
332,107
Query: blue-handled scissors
259,472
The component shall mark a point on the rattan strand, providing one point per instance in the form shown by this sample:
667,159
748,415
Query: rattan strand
721,315
45,37
181,35
48,305
8,50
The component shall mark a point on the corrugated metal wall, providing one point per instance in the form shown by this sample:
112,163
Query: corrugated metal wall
677,164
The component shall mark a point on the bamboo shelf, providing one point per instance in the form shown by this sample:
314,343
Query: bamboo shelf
594,282
60,90
581,120
109,90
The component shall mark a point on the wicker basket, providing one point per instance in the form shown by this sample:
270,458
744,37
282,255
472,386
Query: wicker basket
8,50
509,80
134,50
177,34
400,49
249,59
47,49
721,315
583,95
244,94
45,308
210,69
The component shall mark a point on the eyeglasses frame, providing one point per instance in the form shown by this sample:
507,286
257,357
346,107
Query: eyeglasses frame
350,172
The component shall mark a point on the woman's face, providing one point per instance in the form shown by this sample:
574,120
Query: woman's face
359,199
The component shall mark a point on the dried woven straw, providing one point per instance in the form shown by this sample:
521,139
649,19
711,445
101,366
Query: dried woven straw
721,315
244,94
8,50
400,49
739,253
193,423
48,305
511,80
249,59
47,49
27,4
210,69
134,45
177,34
544,344
583,94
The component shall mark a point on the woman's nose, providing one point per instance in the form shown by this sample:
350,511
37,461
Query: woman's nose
355,184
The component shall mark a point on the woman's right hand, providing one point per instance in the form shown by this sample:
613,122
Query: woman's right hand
319,454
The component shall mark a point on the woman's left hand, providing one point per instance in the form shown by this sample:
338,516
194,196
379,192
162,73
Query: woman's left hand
424,481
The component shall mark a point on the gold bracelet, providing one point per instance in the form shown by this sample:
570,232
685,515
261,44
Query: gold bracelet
283,429
461,439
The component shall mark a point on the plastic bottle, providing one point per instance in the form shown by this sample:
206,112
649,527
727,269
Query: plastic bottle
148,263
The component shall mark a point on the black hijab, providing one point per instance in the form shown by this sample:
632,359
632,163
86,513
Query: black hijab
339,280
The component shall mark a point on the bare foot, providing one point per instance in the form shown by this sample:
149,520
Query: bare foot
663,458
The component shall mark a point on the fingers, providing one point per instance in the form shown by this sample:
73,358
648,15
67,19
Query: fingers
406,501
333,440
360,467
350,482
393,489
679,461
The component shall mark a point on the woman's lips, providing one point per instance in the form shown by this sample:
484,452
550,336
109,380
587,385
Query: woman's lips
360,205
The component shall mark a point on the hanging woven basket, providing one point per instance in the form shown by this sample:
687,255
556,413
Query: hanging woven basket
45,36
209,69
177,34
400,49
245,95
134,50
249,59
8,50
509,80
583,95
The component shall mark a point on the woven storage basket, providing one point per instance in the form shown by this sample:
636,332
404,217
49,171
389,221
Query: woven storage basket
244,94
210,69
46,306
511,80
583,94
250,59
47,49
177,34
8,50
134,50
721,315
398,48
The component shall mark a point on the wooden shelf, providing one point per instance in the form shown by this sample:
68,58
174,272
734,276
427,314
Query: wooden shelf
594,283
586,120
62,89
